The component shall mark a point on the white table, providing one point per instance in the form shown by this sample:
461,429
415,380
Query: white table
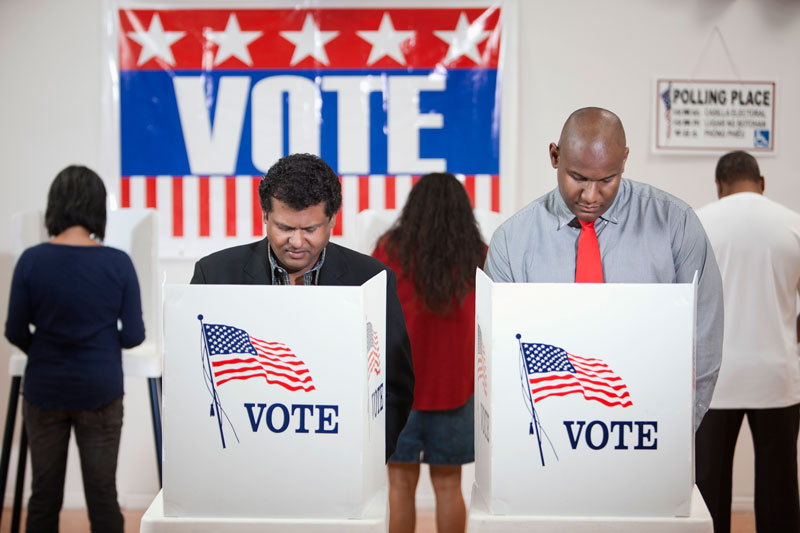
373,521
481,521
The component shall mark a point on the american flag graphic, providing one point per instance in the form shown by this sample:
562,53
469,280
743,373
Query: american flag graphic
480,366
552,371
666,97
210,98
235,355
373,351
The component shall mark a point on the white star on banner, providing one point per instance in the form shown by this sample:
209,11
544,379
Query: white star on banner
309,41
465,39
386,41
155,41
232,42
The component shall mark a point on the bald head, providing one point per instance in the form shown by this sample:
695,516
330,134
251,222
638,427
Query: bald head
594,130
589,159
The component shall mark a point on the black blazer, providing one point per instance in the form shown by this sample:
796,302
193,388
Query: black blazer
248,265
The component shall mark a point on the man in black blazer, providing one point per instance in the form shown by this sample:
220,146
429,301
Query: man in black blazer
300,197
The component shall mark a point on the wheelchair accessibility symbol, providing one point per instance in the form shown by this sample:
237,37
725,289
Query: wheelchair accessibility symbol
761,138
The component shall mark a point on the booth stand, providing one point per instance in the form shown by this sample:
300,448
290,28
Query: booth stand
482,521
584,412
374,519
274,409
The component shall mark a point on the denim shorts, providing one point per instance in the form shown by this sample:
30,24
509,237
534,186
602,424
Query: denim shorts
438,437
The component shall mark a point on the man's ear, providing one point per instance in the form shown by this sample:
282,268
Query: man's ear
263,217
332,221
625,159
719,188
761,182
555,155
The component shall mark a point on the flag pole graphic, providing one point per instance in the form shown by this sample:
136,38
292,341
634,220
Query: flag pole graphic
211,378
527,385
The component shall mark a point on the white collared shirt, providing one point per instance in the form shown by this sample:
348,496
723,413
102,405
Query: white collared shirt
757,244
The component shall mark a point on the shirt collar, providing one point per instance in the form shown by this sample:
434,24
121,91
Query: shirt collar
566,217
280,276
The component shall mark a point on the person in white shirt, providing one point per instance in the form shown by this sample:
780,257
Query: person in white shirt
757,245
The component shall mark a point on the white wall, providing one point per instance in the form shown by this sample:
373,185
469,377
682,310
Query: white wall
573,53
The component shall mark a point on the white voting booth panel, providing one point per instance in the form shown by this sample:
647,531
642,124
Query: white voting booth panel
585,399
134,232
274,401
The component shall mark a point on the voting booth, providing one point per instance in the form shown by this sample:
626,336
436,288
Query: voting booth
134,232
274,407
584,405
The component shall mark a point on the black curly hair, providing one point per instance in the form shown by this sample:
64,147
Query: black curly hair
301,181
77,197
437,242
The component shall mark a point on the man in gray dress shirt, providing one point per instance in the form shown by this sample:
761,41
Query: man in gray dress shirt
645,235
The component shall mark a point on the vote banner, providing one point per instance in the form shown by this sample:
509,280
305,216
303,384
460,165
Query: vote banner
264,418
714,116
584,398
209,99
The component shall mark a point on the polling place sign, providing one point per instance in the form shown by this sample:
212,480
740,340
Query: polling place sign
274,400
584,398
714,116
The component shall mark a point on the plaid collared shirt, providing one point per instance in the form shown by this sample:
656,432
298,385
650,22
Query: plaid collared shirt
279,275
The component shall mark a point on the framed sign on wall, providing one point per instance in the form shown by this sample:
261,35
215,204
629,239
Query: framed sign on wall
712,116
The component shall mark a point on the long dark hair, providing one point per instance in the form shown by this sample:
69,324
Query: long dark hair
437,242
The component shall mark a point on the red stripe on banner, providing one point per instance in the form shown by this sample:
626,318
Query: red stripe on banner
337,227
389,187
469,185
230,206
258,219
150,192
125,192
177,206
363,193
203,208
496,194
415,179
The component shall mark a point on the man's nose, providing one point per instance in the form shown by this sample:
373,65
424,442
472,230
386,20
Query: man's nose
295,239
591,192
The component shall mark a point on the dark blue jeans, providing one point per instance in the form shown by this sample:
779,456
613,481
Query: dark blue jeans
97,433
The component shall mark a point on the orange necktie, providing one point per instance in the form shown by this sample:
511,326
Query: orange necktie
589,268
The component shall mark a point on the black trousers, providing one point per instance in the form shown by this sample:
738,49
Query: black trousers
97,433
774,433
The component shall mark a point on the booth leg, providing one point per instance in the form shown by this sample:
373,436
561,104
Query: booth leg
23,458
8,436
155,408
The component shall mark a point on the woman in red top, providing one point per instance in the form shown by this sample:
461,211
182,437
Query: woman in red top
434,249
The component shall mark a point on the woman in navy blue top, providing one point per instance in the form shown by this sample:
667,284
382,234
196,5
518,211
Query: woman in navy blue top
74,305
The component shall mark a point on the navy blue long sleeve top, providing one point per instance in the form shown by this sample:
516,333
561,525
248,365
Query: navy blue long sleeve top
84,306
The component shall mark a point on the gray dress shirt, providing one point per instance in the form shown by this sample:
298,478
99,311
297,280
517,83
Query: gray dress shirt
646,236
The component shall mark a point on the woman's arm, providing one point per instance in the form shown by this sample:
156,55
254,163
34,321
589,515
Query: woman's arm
132,332
20,313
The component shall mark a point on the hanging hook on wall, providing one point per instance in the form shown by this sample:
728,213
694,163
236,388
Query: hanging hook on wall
716,31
